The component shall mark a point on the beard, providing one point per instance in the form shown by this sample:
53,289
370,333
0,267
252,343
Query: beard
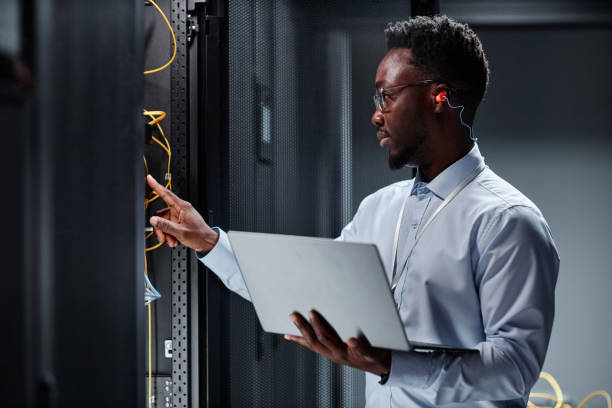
408,154
401,160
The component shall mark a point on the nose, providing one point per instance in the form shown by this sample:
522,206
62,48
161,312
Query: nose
377,118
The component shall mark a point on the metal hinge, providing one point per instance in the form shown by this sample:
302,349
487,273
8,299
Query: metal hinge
192,27
168,348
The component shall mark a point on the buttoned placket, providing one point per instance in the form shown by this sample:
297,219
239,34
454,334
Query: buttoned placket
414,214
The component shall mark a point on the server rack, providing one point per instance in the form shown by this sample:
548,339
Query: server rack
71,293
175,273
284,141
49,150
196,313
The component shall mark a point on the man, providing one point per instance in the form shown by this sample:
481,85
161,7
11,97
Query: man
472,261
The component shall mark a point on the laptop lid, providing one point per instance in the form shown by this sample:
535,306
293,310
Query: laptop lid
344,281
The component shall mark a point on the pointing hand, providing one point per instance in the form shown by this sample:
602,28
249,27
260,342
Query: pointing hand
180,222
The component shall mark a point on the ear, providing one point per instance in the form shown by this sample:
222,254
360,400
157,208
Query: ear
438,98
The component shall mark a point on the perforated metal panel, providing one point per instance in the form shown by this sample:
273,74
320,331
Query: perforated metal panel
180,266
301,155
285,177
265,370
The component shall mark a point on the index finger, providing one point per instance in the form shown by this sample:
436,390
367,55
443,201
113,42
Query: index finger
166,195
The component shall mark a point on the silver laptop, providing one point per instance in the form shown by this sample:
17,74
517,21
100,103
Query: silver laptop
344,281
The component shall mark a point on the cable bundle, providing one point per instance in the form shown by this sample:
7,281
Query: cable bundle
150,293
557,399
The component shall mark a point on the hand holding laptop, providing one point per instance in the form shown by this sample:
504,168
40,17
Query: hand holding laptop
320,337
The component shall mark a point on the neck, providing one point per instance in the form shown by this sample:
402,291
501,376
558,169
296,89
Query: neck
442,160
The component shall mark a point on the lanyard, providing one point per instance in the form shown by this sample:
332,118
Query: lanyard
453,194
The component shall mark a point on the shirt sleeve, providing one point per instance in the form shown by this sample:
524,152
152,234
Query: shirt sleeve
352,232
222,262
515,276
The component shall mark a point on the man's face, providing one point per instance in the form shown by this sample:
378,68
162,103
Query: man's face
400,126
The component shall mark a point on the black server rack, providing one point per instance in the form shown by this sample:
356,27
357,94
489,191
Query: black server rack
262,120
174,272
268,105
70,94
288,149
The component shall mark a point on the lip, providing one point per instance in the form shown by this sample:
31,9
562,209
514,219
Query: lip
381,135
384,140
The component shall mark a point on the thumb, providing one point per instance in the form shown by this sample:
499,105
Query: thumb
166,226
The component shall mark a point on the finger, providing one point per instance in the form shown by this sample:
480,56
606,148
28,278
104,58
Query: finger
304,328
326,325
325,332
164,213
168,196
171,241
299,340
167,227
359,347
161,237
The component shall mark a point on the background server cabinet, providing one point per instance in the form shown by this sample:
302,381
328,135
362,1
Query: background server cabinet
290,149
268,107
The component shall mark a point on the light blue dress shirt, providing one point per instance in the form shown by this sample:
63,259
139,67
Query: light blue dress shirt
482,276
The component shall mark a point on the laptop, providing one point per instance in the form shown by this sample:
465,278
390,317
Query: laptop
344,281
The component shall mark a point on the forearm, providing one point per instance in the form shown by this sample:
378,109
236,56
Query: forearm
515,275
499,371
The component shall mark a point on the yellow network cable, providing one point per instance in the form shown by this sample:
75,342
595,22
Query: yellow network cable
173,40
149,336
595,393
166,146
161,115
150,369
157,116
558,397
154,247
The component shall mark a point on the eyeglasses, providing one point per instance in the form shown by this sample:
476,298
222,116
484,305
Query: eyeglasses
381,96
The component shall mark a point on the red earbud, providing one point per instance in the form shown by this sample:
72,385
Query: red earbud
441,97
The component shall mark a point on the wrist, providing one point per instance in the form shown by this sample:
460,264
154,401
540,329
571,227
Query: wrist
385,369
209,240
386,362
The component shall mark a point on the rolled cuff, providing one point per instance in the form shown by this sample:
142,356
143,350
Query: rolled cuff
221,260
203,256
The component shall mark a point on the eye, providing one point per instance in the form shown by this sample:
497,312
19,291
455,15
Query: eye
386,96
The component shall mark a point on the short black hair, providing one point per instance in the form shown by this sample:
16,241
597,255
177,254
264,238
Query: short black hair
447,50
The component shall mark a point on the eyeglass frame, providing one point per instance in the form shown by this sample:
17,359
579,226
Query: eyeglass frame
378,97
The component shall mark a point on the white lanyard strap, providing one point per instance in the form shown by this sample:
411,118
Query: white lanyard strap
447,200
396,236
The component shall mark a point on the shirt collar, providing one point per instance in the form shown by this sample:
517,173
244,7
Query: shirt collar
449,178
